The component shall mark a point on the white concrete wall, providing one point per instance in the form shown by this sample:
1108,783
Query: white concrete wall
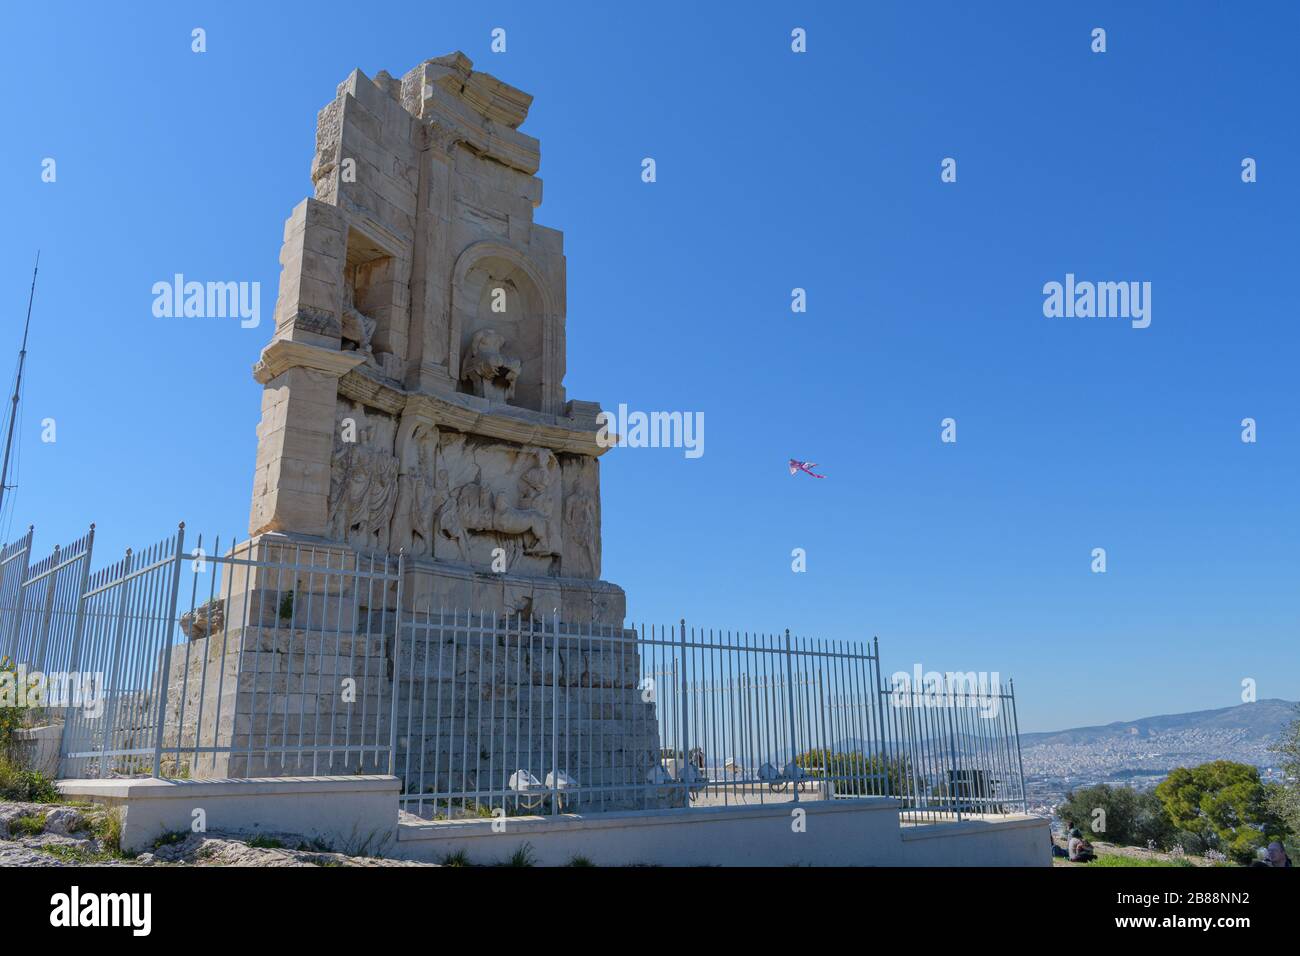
848,833
39,747
351,813
863,832
1012,841
354,813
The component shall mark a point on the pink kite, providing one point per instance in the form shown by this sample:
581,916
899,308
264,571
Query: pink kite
805,466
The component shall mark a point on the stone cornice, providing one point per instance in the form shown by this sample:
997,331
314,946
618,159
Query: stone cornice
459,412
284,354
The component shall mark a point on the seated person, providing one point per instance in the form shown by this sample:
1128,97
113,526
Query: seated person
1080,850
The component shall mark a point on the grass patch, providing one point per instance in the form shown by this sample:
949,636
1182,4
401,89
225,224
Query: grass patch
73,854
170,839
25,785
580,861
108,830
522,857
262,842
459,858
29,826
1114,859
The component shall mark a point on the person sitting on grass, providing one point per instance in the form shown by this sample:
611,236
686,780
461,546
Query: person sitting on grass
1080,850
1277,855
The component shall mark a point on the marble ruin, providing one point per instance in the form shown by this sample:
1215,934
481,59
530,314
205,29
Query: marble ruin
414,387
414,405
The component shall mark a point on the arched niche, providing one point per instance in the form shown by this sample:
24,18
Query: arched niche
495,286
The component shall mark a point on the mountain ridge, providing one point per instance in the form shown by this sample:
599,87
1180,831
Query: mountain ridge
1265,718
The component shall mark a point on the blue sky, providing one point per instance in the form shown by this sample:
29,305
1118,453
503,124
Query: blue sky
775,171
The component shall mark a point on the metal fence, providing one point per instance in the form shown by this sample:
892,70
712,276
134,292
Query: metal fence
260,660
281,658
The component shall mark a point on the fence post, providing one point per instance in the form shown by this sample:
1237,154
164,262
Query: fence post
789,700
79,622
555,712
113,676
168,624
13,597
78,631
1015,729
47,612
397,670
954,785
882,721
685,721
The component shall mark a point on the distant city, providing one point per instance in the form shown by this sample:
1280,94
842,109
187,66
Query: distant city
1141,753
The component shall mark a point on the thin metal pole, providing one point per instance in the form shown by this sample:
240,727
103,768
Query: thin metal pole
794,747
684,728
18,385
555,711
397,672
1015,729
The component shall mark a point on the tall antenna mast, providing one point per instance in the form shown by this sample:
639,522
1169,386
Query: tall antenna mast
18,387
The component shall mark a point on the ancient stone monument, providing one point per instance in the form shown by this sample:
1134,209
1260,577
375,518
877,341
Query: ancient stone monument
414,386
414,404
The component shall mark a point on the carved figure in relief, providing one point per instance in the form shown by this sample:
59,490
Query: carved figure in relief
380,500
489,372
580,530
363,492
340,479
413,516
447,516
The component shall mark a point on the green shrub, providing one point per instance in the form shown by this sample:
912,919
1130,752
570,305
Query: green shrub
11,718
263,842
24,784
857,773
1226,804
1132,818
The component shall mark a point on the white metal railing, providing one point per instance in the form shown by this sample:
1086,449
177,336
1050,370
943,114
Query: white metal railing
287,658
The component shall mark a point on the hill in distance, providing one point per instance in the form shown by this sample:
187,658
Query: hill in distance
1263,720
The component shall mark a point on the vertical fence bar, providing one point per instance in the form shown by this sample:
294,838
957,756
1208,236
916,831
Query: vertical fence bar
794,747
683,723
397,672
78,631
166,626
954,785
1020,760
555,711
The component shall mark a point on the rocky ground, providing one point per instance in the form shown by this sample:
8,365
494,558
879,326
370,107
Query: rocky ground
38,834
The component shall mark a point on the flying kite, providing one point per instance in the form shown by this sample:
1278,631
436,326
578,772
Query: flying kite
805,466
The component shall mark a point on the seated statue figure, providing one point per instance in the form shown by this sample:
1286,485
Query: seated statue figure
490,373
